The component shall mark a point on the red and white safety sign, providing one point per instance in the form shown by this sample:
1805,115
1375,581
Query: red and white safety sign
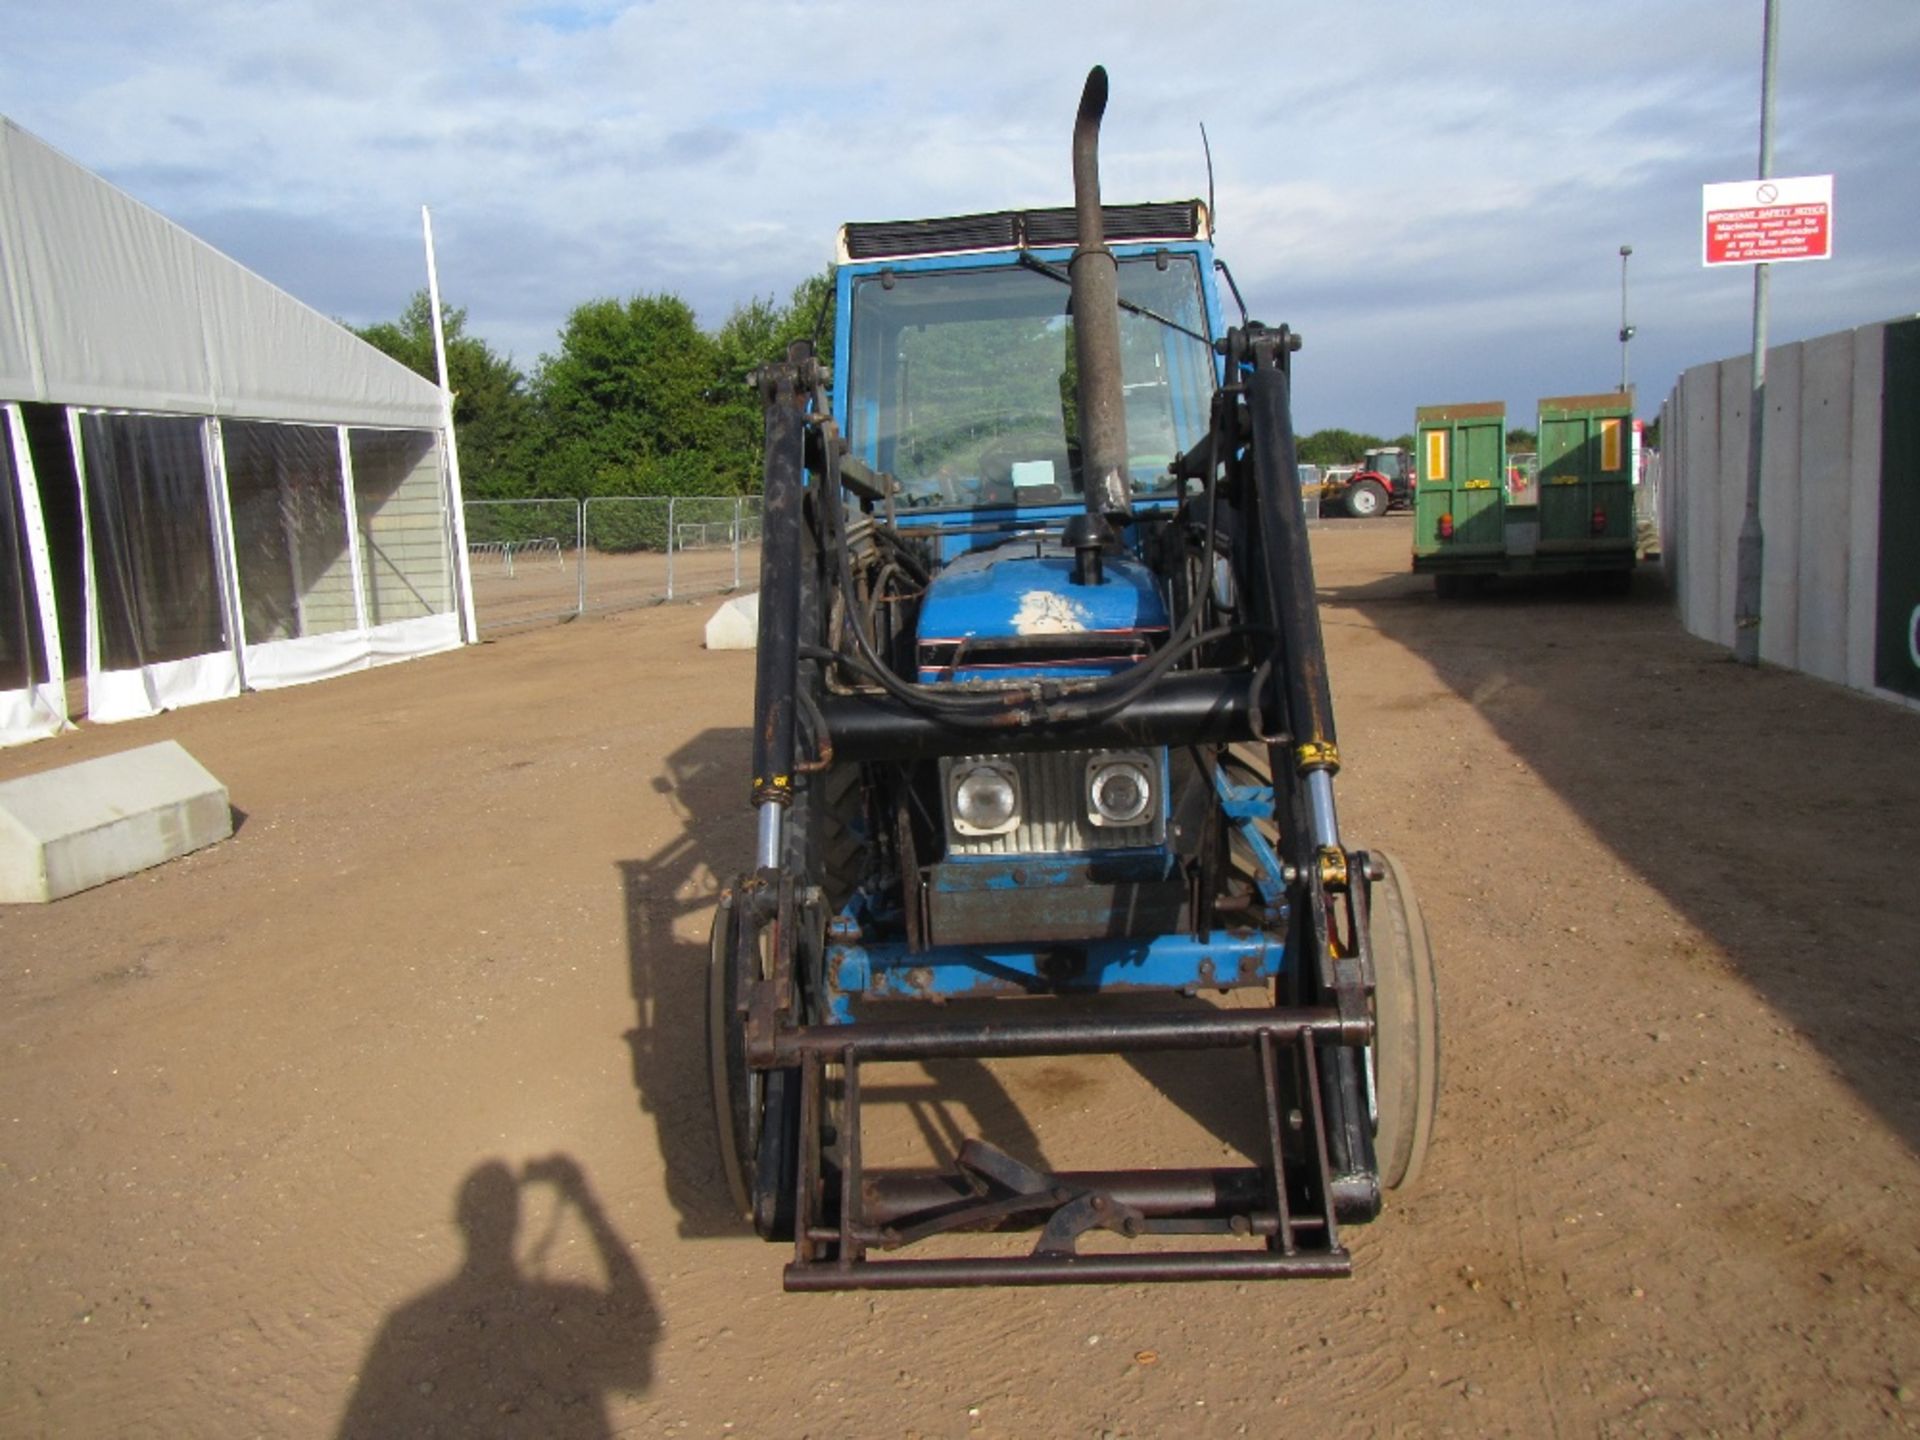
1746,222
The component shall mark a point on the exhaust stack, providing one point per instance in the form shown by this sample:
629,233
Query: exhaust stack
1096,323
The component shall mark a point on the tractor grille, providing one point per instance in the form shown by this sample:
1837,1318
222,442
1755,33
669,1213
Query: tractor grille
1010,229
1053,811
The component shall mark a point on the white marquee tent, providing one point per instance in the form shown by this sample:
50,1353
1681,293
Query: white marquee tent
205,486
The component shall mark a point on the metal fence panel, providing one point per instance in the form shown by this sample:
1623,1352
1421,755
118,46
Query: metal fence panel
746,556
628,550
525,558
544,560
706,538
1646,509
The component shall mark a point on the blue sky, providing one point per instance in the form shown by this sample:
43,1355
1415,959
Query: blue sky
1433,194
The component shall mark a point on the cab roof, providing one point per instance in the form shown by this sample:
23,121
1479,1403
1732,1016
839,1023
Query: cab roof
1018,230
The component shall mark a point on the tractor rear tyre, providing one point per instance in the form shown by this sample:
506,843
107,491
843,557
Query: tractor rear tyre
826,831
1366,498
755,1113
1406,1048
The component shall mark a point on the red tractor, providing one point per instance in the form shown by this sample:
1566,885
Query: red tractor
1384,482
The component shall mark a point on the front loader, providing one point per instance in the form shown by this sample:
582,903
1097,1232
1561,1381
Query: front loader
1044,762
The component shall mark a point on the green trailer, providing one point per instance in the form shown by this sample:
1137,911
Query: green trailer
1572,515
1585,514
1459,506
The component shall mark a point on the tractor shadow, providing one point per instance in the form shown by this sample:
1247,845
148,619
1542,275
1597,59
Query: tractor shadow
1776,812
669,900
1219,1090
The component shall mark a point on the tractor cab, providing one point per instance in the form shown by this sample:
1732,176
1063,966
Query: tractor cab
958,374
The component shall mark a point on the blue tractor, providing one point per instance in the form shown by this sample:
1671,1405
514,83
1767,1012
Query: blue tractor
1044,762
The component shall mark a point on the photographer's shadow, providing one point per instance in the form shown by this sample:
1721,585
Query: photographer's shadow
493,1352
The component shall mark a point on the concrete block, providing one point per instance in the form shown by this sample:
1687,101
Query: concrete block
82,825
736,624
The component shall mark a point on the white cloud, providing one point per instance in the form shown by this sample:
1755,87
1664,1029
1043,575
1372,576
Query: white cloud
1434,194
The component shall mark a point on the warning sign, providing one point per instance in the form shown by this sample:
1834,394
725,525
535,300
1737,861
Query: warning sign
1746,222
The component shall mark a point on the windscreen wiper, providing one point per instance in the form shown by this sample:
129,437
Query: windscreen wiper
1054,272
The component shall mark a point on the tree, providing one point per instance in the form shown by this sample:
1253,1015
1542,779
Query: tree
1522,441
630,404
637,400
810,314
749,337
640,401
490,403
1335,447
756,333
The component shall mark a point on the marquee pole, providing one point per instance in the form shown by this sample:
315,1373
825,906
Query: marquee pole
456,500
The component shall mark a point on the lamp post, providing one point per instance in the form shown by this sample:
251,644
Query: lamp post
1750,550
1626,330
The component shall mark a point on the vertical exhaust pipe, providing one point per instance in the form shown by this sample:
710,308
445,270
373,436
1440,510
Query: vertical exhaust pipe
1096,323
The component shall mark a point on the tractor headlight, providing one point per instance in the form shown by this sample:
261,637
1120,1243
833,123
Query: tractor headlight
983,797
1119,790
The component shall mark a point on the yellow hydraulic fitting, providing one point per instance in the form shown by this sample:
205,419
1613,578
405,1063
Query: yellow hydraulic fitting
1333,868
1317,755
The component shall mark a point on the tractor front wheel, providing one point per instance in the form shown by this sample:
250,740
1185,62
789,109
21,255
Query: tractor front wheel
755,1113
1406,1046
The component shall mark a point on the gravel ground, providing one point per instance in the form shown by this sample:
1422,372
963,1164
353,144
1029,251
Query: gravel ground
388,1116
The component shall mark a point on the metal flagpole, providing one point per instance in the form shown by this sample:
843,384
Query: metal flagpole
1626,330
1750,556
456,499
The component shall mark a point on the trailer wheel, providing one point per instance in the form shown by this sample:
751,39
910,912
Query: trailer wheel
1406,1050
1366,499
1449,585
755,1113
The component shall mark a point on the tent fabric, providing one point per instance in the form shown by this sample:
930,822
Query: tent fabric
279,663
27,715
261,497
287,496
151,540
32,704
199,531
136,693
110,304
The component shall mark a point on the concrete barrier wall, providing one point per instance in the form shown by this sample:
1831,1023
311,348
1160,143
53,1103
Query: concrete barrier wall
1820,501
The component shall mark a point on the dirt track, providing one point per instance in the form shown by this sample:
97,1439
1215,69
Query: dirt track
463,922
545,587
